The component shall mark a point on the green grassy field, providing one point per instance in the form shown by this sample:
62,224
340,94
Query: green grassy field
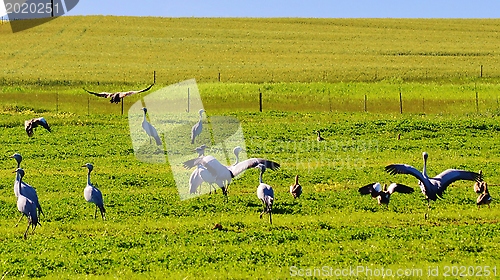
314,74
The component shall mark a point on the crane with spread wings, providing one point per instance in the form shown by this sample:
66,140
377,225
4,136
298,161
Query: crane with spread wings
116,97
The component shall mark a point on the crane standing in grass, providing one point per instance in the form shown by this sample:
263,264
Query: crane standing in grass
93,194
27,190
265,193
197,127
25,205
150,129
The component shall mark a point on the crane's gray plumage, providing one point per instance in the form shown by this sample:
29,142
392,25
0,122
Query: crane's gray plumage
29,125
117,96
93,194
150,129
26,206
434,187
27,190
296,189
197,127
265,193
383,196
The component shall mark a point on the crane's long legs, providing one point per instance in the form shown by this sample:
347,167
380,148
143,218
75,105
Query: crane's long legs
19,220
270,218
95,213
26,232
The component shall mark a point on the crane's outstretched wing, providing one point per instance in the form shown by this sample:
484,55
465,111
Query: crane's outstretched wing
127,93
400,188
405,169
29,125
100,94
252,162
451,175
367,189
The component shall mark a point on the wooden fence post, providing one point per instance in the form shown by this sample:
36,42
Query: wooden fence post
365,103
400,102
188,101
260,101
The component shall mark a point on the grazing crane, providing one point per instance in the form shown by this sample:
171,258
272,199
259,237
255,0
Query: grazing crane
265,193
150,129
25,205
29,125
197,127
383,196
27,190
484,197
296,189
116,97
434,187
93,194
319,138
224,174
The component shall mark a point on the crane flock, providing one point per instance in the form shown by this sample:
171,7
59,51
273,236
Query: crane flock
210,170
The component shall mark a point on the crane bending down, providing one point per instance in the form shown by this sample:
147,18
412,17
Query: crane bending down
25,205
93,194
27,190
116,97
265,193
29,125
383,196
434,187
150,129
222,175
197,127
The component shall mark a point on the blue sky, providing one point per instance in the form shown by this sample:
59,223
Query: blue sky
291,8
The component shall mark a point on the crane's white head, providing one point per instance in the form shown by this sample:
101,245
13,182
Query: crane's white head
377,187
19,172
89,166
425,155
201,111
17,157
